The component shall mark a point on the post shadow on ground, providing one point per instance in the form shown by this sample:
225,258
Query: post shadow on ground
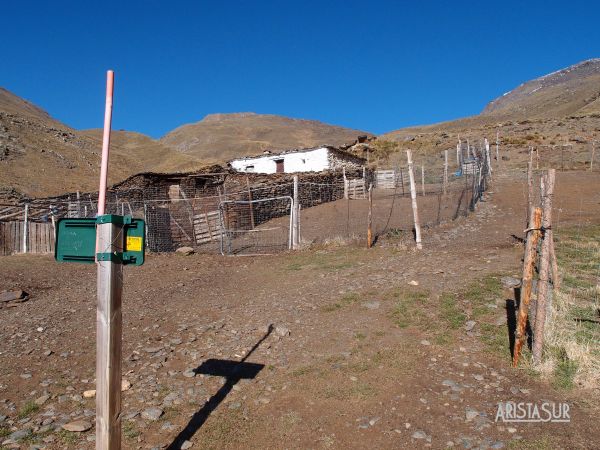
512,306
232,371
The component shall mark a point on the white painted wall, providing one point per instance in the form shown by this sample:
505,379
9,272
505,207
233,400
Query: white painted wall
308,161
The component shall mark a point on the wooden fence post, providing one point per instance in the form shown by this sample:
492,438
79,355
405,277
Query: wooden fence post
250,202
25,228
413,196
529,192
423,180
370,219
592,159
445,170
458,148
108,313
497,144
547,187
294,212
533,236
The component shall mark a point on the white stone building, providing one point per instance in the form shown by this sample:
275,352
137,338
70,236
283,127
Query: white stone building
304,160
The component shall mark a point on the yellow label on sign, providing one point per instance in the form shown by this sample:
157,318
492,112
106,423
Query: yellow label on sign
133,244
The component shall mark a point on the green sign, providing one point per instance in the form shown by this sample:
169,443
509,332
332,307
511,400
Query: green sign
76,240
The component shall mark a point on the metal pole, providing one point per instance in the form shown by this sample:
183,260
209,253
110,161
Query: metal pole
109,240
25,229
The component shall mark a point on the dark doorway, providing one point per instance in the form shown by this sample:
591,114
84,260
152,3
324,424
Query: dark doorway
279,166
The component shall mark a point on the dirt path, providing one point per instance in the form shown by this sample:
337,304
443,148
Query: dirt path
358,356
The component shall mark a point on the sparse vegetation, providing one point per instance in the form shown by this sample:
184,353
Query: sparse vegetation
573,331
29,408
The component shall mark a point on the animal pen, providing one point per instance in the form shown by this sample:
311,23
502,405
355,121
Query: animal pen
248,214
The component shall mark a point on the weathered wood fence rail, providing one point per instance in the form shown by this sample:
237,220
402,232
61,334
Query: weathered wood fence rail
35,237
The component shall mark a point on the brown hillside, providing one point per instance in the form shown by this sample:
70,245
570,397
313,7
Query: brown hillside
41,156
220,137
562,108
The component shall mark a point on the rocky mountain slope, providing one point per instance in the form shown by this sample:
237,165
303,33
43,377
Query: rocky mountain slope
219,137
557,114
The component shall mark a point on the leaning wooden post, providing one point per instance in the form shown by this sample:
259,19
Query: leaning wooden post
413,196
592,159
533,236
108,318
547,185
295,235
423,180
370,219
445,170
25,228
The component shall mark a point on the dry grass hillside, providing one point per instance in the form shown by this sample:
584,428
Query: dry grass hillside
556,110
220,137
40,156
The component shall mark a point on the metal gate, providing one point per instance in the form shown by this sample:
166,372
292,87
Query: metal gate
257,227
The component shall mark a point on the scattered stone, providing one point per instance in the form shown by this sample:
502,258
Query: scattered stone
125,385
469,325
25,376
152,349
413,283
371,305
510,282
421,435
282,331
89,394
235,405
185,251
478,377
185,445
425,342
152,414
7,298
39,329
48,352
77,426
18,435
471,414
189,373
41,400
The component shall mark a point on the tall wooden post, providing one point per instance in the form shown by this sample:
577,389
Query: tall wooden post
25,228
370,219
423,180
547,185
295,209
592,159
529,191
497,144
445,170
413,196
109,240
250,203
402,180
533,236
488,159
458,148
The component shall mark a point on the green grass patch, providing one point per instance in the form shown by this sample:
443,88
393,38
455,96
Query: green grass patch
67,437
28,408
409,308
346,300
129,430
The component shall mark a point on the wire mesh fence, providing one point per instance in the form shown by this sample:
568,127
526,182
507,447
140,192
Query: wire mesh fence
258,219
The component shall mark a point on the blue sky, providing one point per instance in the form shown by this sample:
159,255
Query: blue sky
375,66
